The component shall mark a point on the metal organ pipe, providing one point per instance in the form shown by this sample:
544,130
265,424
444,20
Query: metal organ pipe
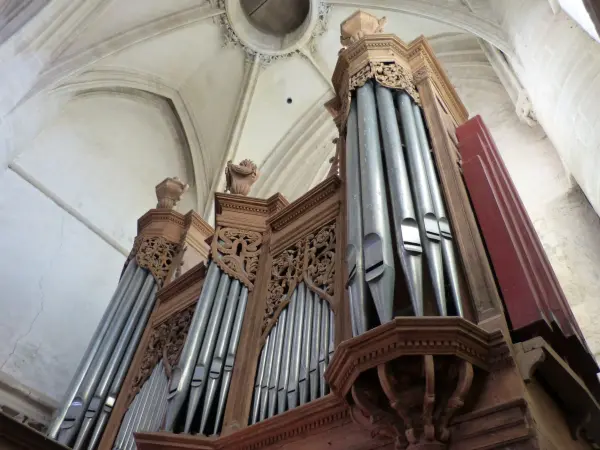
182,374
306,347
292,388
218,359
75,416
255,417
203,375
377,240
428,221
230,358
407,229
121,374
277,355
199,378
143,304
418,213
284,377
440,211
264,385
354,249
301,339
313,372
92,349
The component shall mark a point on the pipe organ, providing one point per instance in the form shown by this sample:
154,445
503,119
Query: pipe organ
365,314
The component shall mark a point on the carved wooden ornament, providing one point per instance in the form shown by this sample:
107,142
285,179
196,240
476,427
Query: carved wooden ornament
156,254
312,260
166,343
169,192
240,177
236,253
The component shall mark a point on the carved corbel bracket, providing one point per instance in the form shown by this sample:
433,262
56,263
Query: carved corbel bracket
408,378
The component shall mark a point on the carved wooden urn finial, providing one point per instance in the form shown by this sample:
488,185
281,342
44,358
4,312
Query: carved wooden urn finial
240,177
358,25
169,192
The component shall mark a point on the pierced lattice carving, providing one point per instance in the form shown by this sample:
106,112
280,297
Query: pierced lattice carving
155,254
286,271
312,260
319,269
166,343
236,253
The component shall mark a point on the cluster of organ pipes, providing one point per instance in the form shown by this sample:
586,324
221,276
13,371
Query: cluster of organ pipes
294,356
200,382
387,147
80,422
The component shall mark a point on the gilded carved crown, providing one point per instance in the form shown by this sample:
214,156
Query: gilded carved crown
358,25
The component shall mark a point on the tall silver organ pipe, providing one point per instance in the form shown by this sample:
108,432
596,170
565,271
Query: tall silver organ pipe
402,166
354,250
134,306
377,239
404,218
202,376
92,349
183,372
428,222
294,356
440,211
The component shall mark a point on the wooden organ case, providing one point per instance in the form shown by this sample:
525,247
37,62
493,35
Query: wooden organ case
376,311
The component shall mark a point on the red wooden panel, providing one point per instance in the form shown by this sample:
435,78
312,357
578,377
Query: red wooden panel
530,290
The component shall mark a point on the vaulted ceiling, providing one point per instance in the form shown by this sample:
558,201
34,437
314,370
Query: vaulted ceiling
229,101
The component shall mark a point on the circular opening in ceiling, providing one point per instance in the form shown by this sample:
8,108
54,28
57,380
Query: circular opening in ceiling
276,17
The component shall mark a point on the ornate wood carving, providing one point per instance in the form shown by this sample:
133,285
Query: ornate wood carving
169,192
166,342
312,260
156,254
240,177
358,25
319,269
236,252
286,271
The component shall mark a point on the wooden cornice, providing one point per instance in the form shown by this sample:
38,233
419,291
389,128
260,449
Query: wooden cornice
425,65
178,294
318,194
405,336
233,210
193,219
295,428
406,66
162,222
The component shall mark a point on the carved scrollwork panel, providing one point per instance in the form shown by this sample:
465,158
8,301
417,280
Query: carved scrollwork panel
286,272
236,252
155,254
319,271
166,342
312,260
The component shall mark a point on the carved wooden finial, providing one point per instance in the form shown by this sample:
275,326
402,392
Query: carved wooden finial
358,25
169,192
240,177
